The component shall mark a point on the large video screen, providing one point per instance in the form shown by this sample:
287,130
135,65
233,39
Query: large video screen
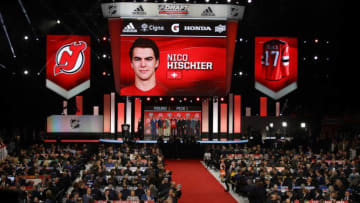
275,65
163,58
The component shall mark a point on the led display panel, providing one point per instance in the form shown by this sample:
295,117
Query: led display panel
160,58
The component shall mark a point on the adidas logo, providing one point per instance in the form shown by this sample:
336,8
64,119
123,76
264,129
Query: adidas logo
139,11
129,28
208,12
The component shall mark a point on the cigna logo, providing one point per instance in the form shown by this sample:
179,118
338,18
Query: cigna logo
70,58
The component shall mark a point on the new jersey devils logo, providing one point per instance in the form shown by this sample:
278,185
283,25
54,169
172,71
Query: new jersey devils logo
70,58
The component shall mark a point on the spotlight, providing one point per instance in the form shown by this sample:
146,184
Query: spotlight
197,98
229,1
185,98
172,99
222,99
26,37
147,98
240,73
271,125
104,55
104,38
316,40
249,1
284,124
104,73
26,72
316,58
303,125
160,98
58,21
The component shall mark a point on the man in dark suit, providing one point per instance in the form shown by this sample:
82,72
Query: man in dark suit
160,126
179,126
153,128
318,195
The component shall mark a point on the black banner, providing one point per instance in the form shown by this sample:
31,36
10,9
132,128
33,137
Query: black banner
175,28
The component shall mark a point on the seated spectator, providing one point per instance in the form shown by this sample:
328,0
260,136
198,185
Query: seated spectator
125,192
88,196
132,196
139,190
147,195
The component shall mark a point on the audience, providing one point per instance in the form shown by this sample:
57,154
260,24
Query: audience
55,172
289,174
76,173
127,172
42,172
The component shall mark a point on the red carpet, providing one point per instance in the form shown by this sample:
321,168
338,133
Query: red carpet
198,185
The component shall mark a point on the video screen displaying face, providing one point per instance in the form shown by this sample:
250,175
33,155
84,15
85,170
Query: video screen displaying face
174,60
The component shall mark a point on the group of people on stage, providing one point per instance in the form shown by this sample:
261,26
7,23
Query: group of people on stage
177,127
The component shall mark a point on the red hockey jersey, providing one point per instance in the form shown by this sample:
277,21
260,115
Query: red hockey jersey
275,59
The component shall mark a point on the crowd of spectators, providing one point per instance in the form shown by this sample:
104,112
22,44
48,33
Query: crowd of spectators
125,172
42,172
266,174
68,173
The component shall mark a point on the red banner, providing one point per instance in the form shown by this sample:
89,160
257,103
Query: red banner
223,116
120,115
79,105
237,114
263,106
68,64
275,65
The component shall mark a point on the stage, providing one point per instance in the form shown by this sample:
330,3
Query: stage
120,141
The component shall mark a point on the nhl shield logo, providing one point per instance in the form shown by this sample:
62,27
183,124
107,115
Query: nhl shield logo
112,9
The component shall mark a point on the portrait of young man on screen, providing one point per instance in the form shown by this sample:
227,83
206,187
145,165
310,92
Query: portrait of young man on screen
144,58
